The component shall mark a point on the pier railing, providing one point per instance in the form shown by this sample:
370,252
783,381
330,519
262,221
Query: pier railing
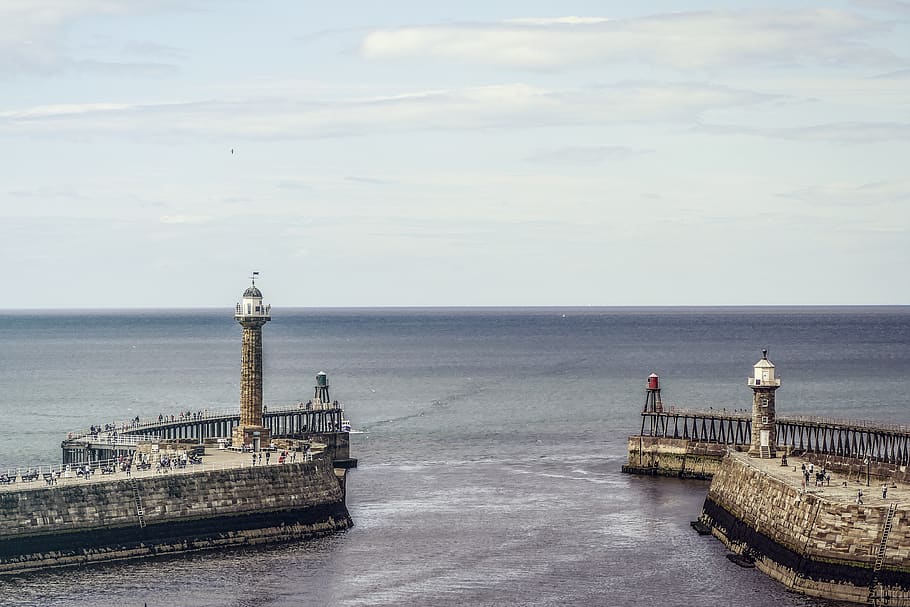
115,439
202,415
121,438
852,438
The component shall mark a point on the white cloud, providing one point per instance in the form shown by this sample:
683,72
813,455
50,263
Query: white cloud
839,132
153,49
30,30
184,219
32,33
889,6
860,196
62,111
895,75
583,155
682,40
571,20
505,106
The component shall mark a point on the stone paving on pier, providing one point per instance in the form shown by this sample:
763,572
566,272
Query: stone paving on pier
792,475
214,459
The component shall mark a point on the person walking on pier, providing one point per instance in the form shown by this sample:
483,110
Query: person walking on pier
254,459
859,496
268,456
884,491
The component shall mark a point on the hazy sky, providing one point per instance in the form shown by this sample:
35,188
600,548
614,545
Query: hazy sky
457,153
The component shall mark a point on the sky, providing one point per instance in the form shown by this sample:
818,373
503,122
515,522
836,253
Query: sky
153,153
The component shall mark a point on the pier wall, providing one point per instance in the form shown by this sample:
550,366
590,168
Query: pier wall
99,521
677,457
808,543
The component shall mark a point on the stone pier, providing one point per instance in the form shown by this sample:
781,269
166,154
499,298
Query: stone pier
228,502
819,541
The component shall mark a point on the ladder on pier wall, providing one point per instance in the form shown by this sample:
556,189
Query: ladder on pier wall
764,452
139,511
880,557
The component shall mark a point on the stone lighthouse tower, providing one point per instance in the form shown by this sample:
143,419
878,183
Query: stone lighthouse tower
764,384
252,315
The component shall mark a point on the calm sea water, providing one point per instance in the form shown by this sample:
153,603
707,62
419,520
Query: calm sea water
489,463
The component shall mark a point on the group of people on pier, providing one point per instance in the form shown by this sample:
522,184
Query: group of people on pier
822,477
283,456
182,416
29,475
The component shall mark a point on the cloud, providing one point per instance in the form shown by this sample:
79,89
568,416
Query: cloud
889,6
122,68
571,20
881,193
46,192
153,49
32,34
367,180
583,155
504,106
838,132
895,75
297,186
680,40
184,219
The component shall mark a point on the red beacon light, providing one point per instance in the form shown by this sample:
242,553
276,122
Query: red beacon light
653,382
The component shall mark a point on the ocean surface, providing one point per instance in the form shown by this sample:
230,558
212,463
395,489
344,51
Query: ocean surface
491,448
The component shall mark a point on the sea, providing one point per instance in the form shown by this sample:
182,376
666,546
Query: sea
490,448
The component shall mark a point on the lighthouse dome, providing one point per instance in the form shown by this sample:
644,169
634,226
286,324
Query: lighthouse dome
764,372
250,307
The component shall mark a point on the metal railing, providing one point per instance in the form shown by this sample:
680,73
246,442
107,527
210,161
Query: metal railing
196,416
859,424
849,438
710,412
116,440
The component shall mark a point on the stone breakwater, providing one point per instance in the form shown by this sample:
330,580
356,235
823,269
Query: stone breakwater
676,457
75,524
818,542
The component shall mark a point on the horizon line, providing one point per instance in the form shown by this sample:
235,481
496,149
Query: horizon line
459,307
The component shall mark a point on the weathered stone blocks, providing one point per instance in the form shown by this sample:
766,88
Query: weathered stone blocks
673,457
811,544
74,524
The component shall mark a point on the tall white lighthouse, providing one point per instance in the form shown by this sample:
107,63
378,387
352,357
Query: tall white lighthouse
252,314
764,383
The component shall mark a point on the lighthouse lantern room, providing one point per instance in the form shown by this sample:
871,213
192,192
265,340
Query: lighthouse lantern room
250,305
